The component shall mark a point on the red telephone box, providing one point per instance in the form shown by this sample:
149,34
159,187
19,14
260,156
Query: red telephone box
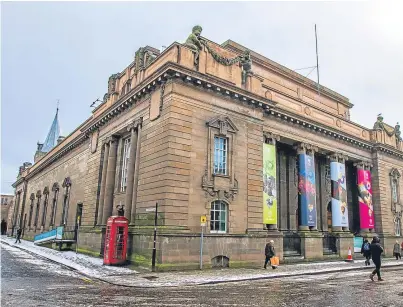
116,240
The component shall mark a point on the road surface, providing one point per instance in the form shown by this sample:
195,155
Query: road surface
27,280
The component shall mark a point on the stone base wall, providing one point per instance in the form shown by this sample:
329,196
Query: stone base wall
90,242
388,242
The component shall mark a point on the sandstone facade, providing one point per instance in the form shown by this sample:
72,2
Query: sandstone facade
169,110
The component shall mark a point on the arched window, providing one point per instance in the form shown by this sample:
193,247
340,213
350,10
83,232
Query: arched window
55,190
45,205
31,209
66,198
38,204
398,227
218,217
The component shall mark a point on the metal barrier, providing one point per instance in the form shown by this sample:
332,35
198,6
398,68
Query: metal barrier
69,233
291,244
329,244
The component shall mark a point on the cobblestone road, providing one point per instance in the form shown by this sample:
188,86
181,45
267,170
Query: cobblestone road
30,281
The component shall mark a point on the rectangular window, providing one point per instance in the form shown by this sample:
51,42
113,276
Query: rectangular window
220,155
218,217
125,163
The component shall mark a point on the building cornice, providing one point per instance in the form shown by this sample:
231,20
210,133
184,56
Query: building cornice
172,70
65,150
287,73
314,126
387,149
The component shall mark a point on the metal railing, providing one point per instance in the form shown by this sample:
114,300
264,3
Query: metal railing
329,244
69,233
291,244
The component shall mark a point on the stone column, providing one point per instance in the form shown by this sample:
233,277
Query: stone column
366,208
282,189
339,192
325,191
136,172
103,181
270,186
130,170
307,186
292,192
110,180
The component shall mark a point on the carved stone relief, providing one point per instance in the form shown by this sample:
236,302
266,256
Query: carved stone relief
94,141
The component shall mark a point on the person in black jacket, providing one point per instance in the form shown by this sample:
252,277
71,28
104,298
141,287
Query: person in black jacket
269,253
366,251
19,231
376,252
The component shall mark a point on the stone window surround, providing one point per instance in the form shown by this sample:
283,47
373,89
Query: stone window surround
221,127
218,185
55,190
38,204
45,206
31,209
66,200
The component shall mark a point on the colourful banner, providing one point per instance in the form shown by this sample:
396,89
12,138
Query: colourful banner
365,199
307,190
339,194
269,184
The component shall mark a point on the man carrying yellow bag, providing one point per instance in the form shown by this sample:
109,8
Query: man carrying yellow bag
270,254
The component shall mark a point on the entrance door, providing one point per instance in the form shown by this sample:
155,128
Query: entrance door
79,214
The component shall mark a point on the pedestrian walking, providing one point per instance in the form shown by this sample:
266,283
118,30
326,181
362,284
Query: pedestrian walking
366,251
396,250
269,252
19,231
376,251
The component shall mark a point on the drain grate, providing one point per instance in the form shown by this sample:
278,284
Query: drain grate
150,277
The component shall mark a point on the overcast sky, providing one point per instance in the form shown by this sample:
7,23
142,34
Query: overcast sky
68,50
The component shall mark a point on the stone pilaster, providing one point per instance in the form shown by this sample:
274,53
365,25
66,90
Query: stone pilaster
103,181
311,244
334,173
130,169
292,192
344,241
110,179
306,157
136,172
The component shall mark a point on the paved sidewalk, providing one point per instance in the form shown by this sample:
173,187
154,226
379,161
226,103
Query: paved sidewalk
92,267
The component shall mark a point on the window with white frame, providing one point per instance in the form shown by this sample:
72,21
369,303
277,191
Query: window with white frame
125,163
218,217
220,155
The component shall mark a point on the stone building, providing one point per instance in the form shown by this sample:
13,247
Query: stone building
218,131
6,203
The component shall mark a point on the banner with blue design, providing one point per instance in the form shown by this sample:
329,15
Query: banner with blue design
339,194
307,190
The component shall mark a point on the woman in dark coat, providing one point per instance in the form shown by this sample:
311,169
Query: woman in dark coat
269,253
376,252
396,250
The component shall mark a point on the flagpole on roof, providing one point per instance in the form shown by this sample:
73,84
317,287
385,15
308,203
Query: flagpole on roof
317,58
